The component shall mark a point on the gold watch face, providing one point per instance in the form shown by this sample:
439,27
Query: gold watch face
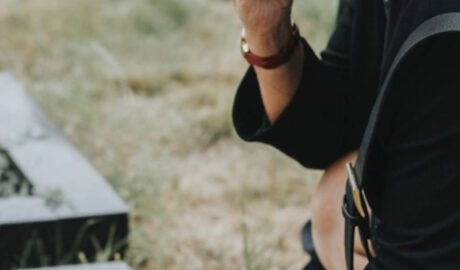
244,46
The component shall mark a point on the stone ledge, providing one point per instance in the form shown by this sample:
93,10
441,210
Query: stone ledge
71,207
97,266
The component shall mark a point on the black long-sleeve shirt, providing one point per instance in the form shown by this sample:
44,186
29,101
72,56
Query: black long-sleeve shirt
418,190
328,114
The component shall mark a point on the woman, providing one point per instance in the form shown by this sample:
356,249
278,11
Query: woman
316,111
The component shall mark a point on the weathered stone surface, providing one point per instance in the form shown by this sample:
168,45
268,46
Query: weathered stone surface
12,182
70,208
48,160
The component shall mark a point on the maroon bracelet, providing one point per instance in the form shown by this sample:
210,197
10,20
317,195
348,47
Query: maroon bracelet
272,62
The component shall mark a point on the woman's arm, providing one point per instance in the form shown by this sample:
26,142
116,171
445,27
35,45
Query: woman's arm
300,108
278,86
268,27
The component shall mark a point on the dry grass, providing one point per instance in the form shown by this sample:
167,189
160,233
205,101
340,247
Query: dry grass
144,88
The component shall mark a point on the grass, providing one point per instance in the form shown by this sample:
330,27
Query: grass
144,89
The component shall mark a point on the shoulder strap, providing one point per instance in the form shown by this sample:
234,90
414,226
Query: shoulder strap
440,24
354,210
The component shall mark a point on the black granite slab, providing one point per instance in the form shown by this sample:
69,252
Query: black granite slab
98,266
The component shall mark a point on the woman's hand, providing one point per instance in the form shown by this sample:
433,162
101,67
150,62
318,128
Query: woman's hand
267,24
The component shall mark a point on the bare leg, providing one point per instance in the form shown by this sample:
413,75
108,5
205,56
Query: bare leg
327,221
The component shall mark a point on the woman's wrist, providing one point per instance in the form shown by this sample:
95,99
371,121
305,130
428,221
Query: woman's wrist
269,43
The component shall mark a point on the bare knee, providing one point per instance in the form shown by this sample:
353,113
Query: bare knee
327,221
324,210
327,200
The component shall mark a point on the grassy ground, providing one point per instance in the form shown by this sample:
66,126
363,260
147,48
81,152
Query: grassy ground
144,89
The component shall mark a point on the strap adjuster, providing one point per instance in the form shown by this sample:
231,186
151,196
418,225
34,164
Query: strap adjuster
356,191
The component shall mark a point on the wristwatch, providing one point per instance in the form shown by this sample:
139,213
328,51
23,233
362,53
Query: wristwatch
274,61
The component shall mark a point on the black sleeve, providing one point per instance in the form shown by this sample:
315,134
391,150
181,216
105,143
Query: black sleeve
423,147
311,128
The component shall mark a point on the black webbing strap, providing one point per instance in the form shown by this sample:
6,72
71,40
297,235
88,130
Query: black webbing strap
354,219
354,206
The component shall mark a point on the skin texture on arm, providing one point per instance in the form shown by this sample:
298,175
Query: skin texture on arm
268,26
279,85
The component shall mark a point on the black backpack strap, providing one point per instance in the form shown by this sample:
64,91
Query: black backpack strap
354,207
356,216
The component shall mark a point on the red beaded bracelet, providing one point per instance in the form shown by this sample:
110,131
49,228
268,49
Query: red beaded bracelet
277,60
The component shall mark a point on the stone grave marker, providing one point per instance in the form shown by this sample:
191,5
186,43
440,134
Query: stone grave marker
96,266
54,205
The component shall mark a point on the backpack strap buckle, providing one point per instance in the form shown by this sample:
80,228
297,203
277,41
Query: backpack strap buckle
356,216
356,191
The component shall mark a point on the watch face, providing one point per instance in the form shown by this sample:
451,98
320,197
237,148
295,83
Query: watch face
244,46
